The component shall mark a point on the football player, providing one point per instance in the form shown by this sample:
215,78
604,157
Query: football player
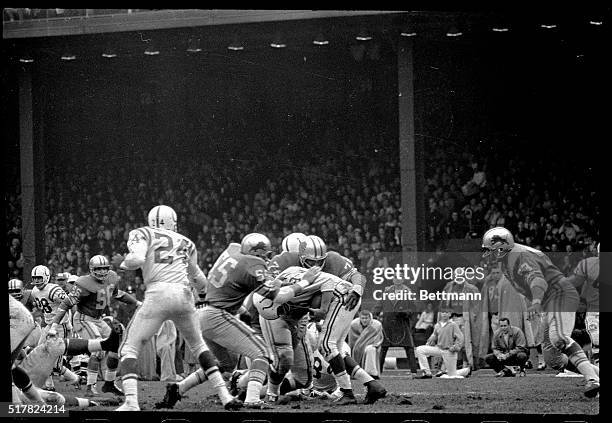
533,274
240,270
47,298
91,296
17,291
586,279
31,370
169,266
339,303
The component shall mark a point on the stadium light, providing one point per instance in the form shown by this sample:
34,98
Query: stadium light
548,26
363,36
278,42
320,40
596,22
194,45
151,49
26,58
408,32
500,28
454,32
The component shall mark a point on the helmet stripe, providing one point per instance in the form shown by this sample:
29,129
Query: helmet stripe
157,216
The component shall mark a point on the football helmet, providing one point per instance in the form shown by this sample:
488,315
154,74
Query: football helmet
72,279
99,267
291,242
163,217
61,278
498,241
15,288
40,276
313,252
255,244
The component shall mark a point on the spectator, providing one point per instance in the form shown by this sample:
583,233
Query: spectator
396,323
424,325
510,349
445,341
365,339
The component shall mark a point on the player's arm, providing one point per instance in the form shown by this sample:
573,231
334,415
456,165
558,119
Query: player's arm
194,273
73,298
579,277
125,298
433,338
344,268
138,244
326,298
530,271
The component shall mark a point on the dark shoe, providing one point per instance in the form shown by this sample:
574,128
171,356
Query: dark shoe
375,392
233,383
91,391
171,398
348,397
111,388
234,404
591,389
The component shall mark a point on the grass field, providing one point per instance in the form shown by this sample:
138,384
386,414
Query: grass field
539,393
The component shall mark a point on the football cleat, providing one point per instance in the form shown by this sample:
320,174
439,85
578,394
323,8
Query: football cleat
110,388
347,398
257,405
171,398
375,391
234,404
591,389
91,391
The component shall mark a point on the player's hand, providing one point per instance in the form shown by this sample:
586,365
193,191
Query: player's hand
534,310
52,332
311,274
116,261
352,300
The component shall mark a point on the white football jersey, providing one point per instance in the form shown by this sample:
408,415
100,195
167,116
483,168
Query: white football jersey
324,282
172,262
48,301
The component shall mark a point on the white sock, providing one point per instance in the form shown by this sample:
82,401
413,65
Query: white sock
69,375
49,382
343,380
82,402
109,375
256,378
194,379
92,377
361,376
94,345
130,389
219,384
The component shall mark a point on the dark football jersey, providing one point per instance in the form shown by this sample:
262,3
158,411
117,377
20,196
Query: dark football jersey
92,296
523,264
234,276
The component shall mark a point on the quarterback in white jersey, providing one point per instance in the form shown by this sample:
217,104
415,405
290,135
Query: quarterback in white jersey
169,266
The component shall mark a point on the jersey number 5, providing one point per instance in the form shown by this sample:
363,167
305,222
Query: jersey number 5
103,297
219,273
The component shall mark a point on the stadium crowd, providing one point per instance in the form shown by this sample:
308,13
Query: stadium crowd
355,209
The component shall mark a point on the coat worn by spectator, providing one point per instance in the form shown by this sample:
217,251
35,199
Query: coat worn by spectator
510,349
396,324
365,339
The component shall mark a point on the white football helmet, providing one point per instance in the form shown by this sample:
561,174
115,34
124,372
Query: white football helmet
255,244
163,217
15,288
313,252
291,243
99,267
72,279
40,276
497,240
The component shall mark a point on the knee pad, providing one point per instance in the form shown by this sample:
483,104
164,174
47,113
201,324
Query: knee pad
127,351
